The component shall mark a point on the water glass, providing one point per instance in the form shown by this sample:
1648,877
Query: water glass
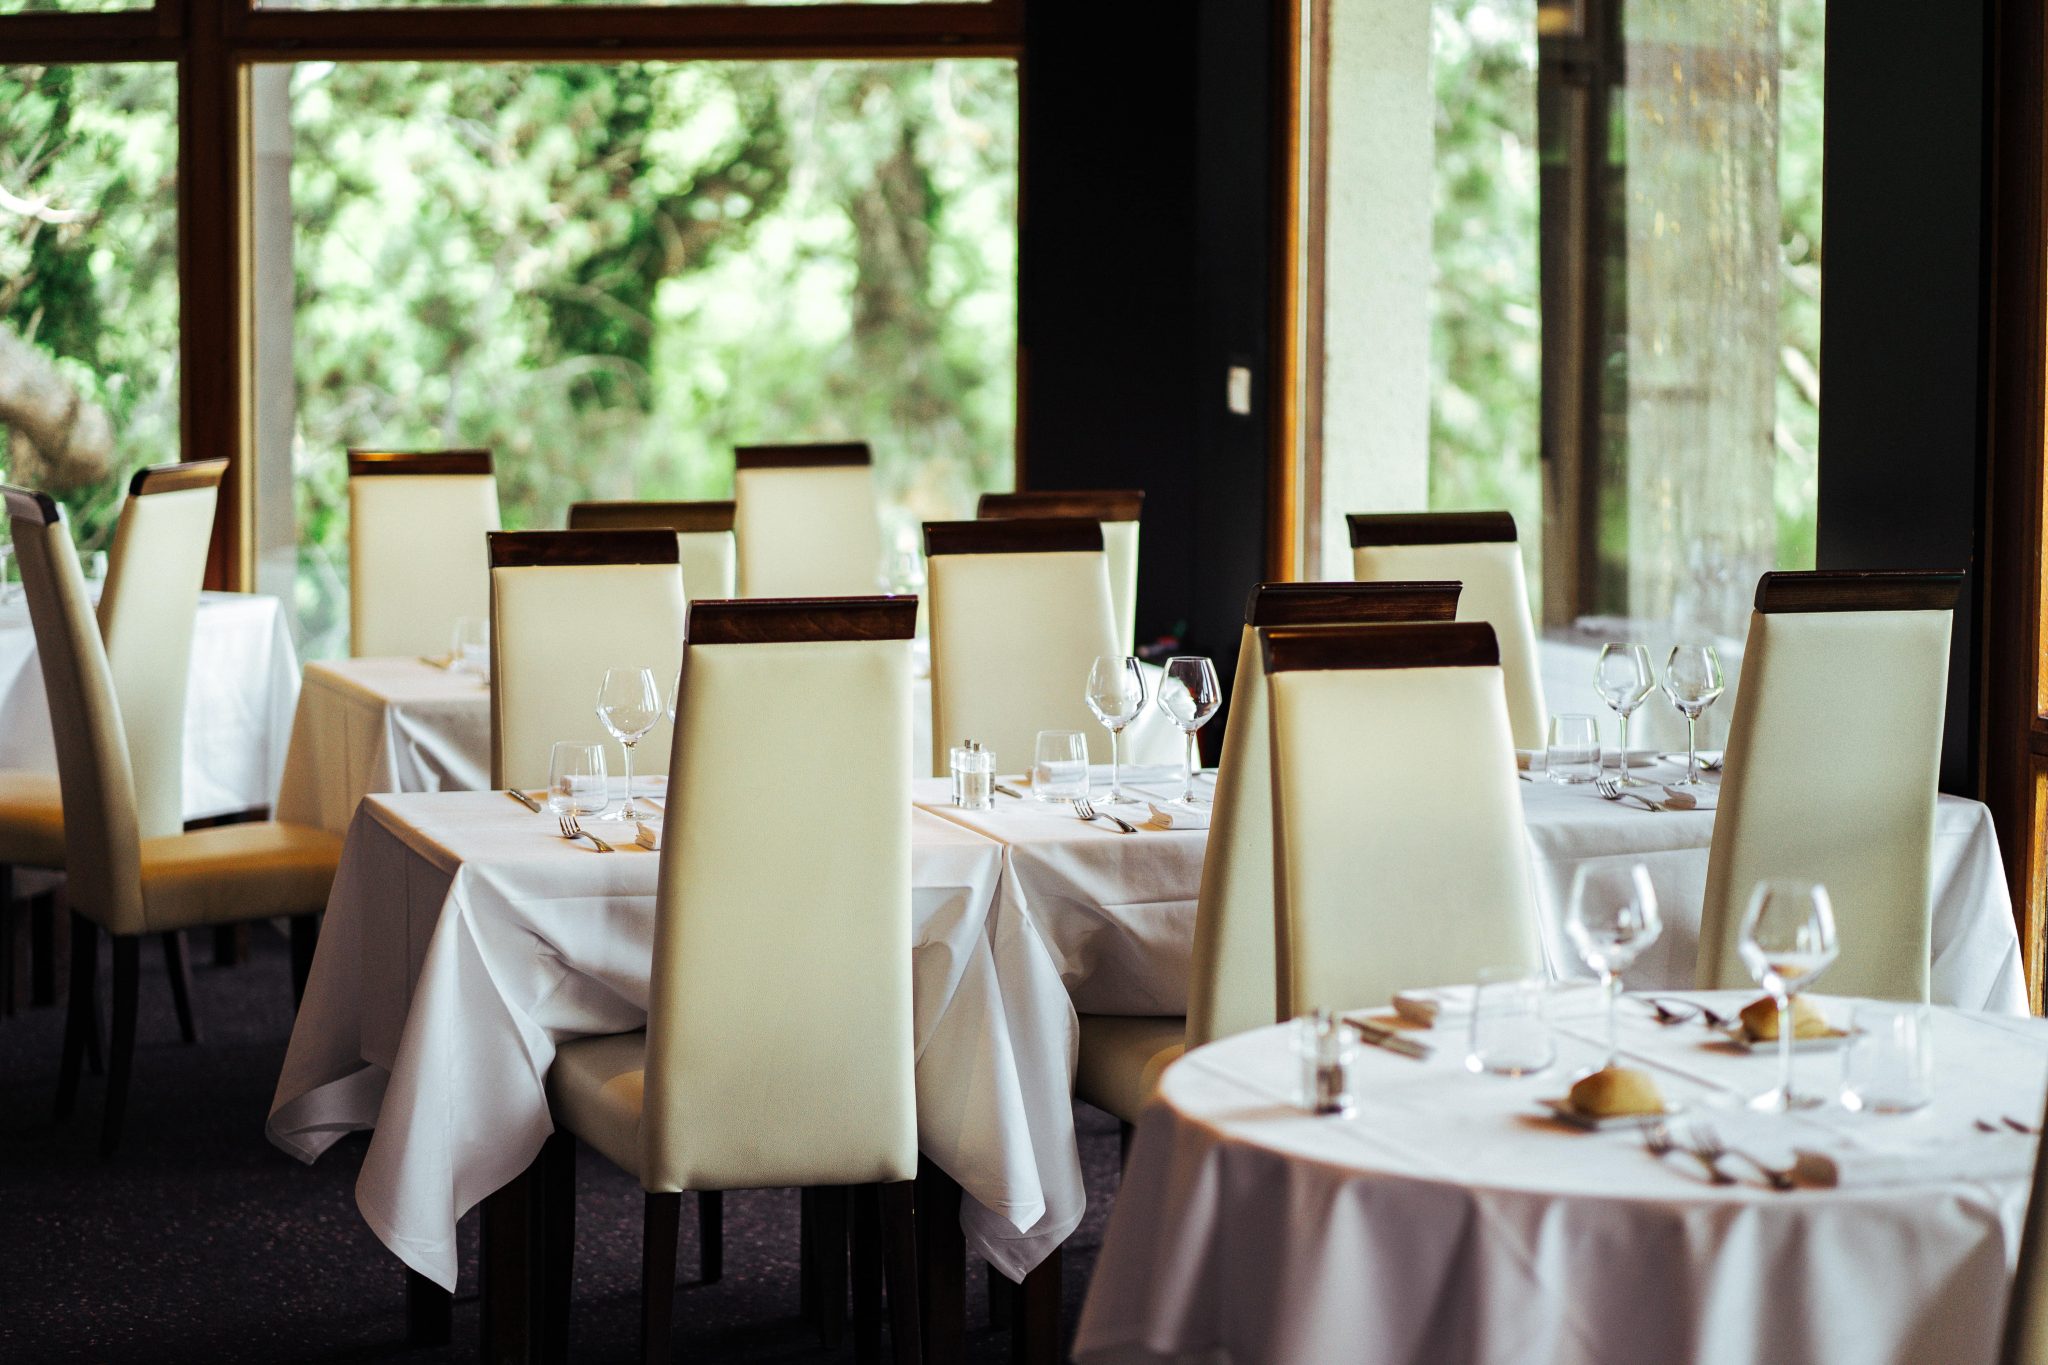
1510,1034
1574,753
577,779
469,651
1888,1061
1325,1047
1059,767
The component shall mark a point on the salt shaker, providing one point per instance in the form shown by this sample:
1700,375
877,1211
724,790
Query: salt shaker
974,776
1325,1047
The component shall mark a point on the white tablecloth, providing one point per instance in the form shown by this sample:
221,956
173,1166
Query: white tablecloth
238,705
1450,1221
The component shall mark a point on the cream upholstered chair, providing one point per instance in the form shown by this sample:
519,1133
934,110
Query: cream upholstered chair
1478,549
147,610
704,538
779,1046
1232,986
565,607
1019,612
805,517
119,879
1398,848
416,526
1844,680
1118,510
2026,1313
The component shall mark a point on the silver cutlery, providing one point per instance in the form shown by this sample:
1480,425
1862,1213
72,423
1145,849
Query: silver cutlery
523,799
1686,1010
1987,1126
1381,1036
2019,1127
1707,1145
1657,1137
1009,791
1610,789
572,829
1085,808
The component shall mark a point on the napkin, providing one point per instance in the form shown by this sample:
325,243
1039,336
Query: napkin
647,834
1177,817
1983,1156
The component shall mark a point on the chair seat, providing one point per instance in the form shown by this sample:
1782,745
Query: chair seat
594,1090
1121,1058
230,873
31,819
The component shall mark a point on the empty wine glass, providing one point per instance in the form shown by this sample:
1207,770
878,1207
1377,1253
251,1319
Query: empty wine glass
1613,918
1116,694
1692,679
1624,678
1189,694
1788,939
629,703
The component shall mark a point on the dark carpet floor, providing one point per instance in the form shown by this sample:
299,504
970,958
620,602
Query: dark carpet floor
202,1242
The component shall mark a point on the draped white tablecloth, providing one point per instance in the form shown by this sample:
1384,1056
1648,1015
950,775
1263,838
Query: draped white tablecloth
1449,1220
238,704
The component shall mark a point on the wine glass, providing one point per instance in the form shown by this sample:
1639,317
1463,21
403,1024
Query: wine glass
1613,918
1788,939
629,703
1189,694
1624,678
1692,679
1116,694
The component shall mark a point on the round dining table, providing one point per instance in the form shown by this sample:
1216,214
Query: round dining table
1453,1217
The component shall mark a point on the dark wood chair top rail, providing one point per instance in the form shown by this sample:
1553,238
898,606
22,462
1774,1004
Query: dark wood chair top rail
1017,536
25,504
801,620
802,456
552,549
684,518
1445,644
1102,504
1350,603
172,478
363,463
1429,528
1859,590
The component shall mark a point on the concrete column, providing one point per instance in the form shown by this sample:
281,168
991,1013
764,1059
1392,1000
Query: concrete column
276,391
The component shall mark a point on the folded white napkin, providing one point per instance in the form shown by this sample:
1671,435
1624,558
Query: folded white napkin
1982,1156
647,833
1177,817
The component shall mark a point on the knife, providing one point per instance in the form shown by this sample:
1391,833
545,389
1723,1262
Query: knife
523,799
1380,1036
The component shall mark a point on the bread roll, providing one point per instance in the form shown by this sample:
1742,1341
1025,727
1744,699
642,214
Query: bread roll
1760,1020
1614,1091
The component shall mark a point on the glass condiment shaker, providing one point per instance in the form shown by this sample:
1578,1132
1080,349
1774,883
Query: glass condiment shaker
974,776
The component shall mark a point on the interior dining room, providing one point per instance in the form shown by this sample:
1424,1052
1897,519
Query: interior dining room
1196,577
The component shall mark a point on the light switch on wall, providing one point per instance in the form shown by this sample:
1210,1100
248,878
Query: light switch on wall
1237,387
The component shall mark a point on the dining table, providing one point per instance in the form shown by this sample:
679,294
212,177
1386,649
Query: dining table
1453,1216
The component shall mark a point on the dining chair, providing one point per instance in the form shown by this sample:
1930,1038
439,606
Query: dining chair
147,609
805,518
1480,550
1398,849
565,607
809,1084
1832,769
1019,612
704,538
1232,986
416,526
2025,1340
1117,509
118,877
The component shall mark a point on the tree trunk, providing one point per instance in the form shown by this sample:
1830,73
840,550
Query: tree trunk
56,439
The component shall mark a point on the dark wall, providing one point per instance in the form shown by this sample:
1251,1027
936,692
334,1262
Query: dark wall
1902,315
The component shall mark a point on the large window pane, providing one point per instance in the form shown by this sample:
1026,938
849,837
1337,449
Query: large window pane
88,282
611,275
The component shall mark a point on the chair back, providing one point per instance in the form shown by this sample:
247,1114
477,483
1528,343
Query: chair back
805,517
1118,510
1478,549
102,849
416,558
1399,853
1019,612
780,1044
704,538
565,607
2026,1312
1233,985
147,611
1832,770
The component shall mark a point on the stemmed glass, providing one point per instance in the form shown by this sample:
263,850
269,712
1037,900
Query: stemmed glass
1613,918
629,703
1116,694
1788,939
7,589
1189,694
1692,679
1624,678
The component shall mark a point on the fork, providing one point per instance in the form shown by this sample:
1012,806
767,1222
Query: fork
1657,1137
1687,1010
1707,1145
572,828
1085,808
1610,790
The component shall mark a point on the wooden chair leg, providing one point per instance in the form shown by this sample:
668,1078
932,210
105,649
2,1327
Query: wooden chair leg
867,1274
829,1204
1036,1338
558,1244
429,1311
6,940
660,1225
42,949
1002,1300
121,1047
230,944
180,972
511,1307
942,1266
78,1017
806,1257
710,1235
305,938
899,1266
